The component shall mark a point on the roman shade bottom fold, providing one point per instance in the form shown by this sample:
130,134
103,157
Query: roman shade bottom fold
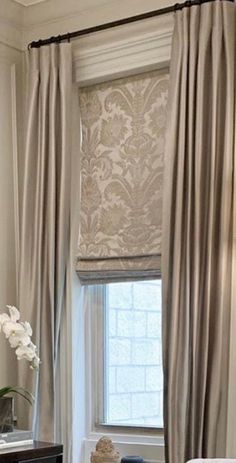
98,271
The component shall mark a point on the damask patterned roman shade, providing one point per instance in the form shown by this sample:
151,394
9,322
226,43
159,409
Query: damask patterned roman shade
123,124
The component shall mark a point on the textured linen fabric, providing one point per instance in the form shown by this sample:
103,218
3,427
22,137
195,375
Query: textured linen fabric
197,231
123,126
47,219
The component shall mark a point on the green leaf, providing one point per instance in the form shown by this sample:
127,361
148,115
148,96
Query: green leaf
17,390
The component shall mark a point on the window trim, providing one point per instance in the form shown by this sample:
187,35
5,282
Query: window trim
148,442
151,449
143,47
95,371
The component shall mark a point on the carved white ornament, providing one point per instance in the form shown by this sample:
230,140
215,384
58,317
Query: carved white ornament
105,452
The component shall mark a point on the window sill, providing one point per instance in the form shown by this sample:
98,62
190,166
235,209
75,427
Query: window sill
151,448
125,428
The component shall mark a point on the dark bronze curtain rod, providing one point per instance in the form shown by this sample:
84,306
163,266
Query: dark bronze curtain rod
119,22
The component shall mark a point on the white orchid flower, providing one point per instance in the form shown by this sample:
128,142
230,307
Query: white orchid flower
17,333
14,313
28,329
25,352
13,317
35,363
3,318
19,339
19,336
10,328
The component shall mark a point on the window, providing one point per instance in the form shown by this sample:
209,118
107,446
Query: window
133,367
126,351
123,124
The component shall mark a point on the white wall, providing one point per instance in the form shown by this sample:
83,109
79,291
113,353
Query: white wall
10,84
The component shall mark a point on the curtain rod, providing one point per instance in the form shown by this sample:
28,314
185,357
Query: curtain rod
119,22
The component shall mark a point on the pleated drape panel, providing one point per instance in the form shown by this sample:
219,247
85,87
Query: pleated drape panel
46,218
197,231
122,178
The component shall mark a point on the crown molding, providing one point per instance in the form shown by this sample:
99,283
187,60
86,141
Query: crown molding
11,24
59,13
58,17
105,56
98,64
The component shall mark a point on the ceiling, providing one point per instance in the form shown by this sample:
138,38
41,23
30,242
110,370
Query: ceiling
29,2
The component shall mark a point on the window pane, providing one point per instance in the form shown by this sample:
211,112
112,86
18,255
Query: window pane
133,357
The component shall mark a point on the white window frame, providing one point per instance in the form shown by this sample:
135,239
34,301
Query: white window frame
145,441
111,54
96,346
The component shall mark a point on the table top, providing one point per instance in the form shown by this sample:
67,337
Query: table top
37,449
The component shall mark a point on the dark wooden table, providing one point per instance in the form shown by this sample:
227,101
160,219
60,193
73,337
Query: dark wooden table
38,452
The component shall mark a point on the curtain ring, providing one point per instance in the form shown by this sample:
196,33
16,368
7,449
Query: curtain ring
177,7
52,39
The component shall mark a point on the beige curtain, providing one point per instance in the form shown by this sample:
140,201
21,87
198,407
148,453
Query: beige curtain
47,215
197,235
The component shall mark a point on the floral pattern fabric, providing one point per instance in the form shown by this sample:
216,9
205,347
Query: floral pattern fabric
123,133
